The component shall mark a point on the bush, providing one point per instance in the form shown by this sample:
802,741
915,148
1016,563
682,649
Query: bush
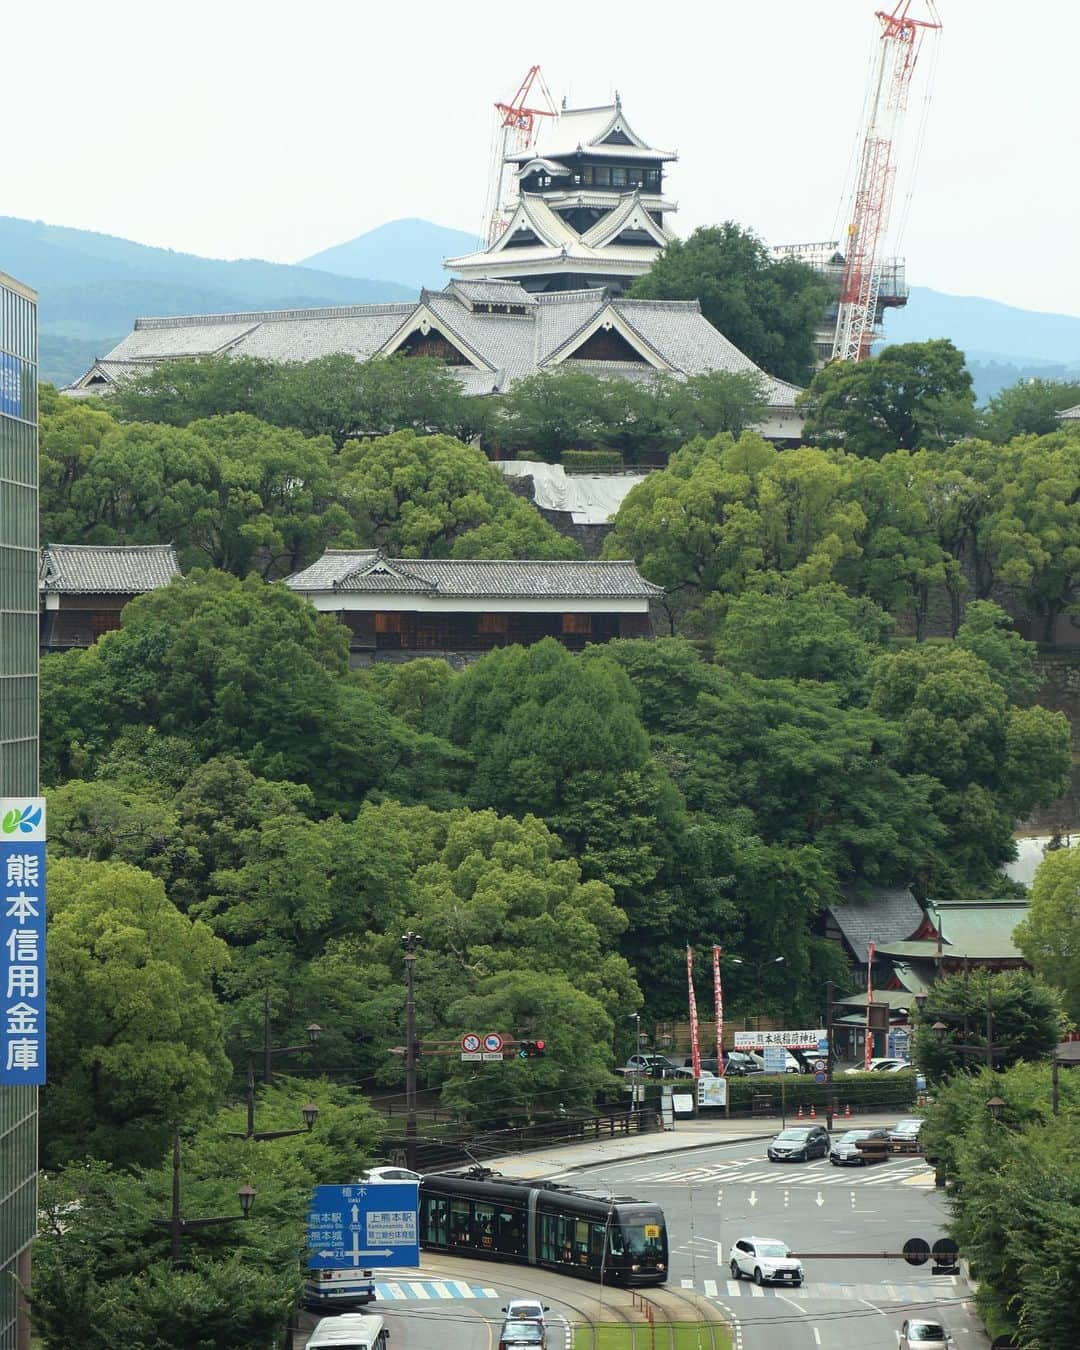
592,461
859,1091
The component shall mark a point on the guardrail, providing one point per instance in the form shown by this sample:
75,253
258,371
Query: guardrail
478,1146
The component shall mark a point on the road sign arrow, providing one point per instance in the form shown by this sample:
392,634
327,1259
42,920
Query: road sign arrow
382,1251
356,1213
753,1197
819,1199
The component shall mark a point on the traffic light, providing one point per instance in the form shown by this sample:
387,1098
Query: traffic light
532,1049
539,1049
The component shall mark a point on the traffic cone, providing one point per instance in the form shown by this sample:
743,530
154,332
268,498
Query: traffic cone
813,1113
799,1114
847,1112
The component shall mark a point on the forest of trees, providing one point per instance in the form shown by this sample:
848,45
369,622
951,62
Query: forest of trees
237,815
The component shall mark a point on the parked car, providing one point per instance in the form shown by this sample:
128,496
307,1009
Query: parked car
390,1174
653,1065
846,1153
884,1065
800,1144
765,1261
906,1131
527,1332
681,1071
525,1310
919,1334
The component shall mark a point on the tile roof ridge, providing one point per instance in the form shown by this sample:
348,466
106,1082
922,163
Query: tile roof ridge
148,323
673,305
111,548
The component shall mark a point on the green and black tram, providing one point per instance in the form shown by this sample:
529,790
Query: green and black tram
617,1240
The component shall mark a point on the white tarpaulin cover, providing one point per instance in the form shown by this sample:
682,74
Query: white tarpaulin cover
591,498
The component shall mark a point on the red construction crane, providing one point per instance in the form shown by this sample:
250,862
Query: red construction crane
516,129
899,43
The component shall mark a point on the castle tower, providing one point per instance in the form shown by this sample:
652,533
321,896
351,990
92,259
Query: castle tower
589,209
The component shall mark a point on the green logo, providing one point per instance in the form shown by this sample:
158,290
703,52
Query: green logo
24,821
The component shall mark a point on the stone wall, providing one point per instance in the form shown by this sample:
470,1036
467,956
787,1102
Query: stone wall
590,538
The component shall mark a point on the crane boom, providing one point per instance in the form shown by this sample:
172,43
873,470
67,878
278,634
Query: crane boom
899,43
517,127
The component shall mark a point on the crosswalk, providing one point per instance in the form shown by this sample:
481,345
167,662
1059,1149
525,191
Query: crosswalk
923,1293
391,1291
753,1171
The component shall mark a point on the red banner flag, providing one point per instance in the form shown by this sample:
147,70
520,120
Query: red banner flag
718,997
695,1038
869,999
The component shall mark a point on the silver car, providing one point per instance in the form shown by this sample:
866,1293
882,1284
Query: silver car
919,1333
845,1151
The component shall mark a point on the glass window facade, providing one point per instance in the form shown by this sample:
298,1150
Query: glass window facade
18,739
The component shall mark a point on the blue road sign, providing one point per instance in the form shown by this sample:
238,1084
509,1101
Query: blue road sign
367,1224
819,1077
823,1045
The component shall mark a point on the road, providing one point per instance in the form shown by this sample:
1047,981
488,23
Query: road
714,1196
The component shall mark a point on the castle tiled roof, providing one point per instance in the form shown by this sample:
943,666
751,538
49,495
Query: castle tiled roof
670,336
890,914
368,570
99,569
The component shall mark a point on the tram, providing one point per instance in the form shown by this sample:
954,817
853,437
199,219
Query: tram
616,1240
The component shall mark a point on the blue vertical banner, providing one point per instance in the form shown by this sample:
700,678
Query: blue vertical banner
22,940
10,385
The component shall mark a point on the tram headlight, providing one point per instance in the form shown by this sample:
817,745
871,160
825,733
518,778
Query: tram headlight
635,1267
660,1265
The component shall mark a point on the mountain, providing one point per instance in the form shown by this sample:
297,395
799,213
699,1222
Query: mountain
1002,343
93,286
401,250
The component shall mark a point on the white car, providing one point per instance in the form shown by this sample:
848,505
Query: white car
525,1310
885,1065
389,1174
680,1072
919,1333
765,1261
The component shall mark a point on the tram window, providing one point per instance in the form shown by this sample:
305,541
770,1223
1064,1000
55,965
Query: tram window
436,1213
597,1249
459,1220
549,1238
615,1240
508,1235
581,1239
483,1225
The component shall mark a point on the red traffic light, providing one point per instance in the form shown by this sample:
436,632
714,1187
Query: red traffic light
539,1047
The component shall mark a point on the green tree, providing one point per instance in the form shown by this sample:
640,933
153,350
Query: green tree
245,669
725,514
988,763
185,389
768,308
1027,408
988,632
1025,1019
1049,934
822,634
431,496
915,395
563,409
135,1036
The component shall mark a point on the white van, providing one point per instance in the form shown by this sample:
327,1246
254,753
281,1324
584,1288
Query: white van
350,1331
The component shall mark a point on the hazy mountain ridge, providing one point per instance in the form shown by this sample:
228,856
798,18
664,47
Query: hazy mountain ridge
93,286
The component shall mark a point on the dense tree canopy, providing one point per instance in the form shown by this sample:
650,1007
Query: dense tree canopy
1028,408
914,396
769,308
1049,934
135,1033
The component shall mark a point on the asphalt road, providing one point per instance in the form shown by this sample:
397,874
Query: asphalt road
714,1196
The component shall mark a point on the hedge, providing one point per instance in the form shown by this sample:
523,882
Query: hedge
857,1090
592,461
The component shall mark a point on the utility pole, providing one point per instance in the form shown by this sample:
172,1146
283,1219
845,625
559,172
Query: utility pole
410,941
828,1056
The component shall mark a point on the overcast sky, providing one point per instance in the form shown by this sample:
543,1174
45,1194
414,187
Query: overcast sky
267,129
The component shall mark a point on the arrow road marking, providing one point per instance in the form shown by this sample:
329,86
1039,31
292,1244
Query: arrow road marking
819,1199
753,1197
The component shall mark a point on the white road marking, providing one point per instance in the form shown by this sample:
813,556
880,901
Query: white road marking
418,1290
734,1288
756,1291
710,1288
688,1284
817,1335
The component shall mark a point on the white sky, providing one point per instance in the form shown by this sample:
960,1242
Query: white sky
244,128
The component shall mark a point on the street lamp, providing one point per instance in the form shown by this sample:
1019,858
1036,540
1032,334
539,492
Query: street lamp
310,1112
178,1225
995,1106
314,1031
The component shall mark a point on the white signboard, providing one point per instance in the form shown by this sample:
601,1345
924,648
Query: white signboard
683,1103
789,1040
712,1092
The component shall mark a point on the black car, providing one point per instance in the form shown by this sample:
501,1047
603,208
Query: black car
800,1144
736,1064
